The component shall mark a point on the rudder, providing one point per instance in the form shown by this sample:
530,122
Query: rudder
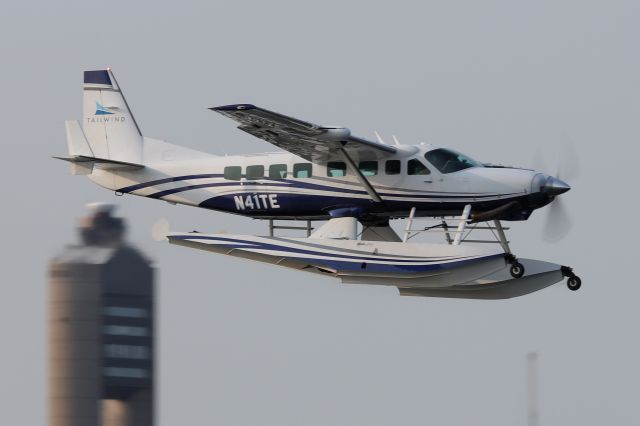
108,124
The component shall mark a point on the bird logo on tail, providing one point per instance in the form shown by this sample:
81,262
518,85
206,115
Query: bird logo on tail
102,110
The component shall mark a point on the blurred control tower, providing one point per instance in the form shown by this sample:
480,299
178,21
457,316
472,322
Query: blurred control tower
101,328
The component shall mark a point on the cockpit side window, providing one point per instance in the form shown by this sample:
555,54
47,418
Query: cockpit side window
447,161
415,167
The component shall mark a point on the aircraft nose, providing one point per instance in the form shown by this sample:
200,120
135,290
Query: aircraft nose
554,186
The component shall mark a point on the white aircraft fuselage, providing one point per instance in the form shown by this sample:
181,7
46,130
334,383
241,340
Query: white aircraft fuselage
299,189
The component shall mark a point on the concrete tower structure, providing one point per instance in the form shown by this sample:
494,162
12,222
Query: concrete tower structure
101,335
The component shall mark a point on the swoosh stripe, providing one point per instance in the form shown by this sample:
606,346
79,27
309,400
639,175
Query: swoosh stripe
137,186
301,184
200,186
320,188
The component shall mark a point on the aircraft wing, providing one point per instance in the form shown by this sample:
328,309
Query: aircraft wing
307,140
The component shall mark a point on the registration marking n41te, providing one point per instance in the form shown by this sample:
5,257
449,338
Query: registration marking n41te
257,202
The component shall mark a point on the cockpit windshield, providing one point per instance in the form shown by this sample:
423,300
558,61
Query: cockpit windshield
448,161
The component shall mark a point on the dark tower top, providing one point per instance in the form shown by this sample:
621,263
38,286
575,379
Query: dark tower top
101,228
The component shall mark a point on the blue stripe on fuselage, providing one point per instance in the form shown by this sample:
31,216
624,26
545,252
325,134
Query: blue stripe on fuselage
137,186
201,186
309,205
291,183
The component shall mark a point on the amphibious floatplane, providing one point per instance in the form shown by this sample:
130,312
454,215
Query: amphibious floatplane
327,173
460,268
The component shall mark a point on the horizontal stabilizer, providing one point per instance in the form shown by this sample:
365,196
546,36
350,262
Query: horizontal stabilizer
83,165
94,160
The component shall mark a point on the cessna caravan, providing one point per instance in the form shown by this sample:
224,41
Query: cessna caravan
321,172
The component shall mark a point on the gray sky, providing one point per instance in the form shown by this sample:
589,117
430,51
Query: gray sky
245,343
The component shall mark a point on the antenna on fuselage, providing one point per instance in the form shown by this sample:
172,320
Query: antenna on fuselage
379,137
395,140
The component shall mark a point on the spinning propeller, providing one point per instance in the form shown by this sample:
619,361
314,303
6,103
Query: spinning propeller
558,221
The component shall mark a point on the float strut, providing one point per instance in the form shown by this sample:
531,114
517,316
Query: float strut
447,235
463,223
503,238
407,230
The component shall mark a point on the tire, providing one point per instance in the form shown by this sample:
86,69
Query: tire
574,283
517,270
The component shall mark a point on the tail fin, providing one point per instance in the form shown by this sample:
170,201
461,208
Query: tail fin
108,124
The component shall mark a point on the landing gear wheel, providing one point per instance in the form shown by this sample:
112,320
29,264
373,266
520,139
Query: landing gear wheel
574,283
517,270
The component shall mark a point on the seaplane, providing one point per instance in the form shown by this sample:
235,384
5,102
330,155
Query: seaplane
325,173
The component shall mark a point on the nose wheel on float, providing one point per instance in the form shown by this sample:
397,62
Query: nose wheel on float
517,269
457,235
573,281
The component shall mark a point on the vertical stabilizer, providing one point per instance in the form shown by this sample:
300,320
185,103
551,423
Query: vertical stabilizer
108,124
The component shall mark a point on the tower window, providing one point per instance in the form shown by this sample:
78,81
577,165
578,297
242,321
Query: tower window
124,311
126,351
134,373
125,330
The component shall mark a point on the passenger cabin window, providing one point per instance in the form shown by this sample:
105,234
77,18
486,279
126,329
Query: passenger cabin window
278,171
302,170
232,172
368,168
392,167
336,169
415,167
255,172
447,161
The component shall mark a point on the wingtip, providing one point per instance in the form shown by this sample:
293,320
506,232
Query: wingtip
234,107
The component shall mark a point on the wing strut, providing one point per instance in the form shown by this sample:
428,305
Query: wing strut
362,178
